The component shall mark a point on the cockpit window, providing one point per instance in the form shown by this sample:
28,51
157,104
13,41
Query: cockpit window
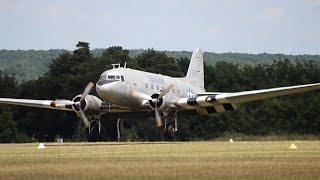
115,76
111,77
103,77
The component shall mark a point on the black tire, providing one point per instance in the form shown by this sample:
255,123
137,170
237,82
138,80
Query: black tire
169,134
94,135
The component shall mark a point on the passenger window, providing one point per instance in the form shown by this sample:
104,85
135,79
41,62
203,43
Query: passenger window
122,78
151,86
157,87
147,86
117,77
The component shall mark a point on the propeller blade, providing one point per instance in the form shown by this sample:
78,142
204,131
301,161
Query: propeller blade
84,118
165,91
158,117
63,102
141,95
86,91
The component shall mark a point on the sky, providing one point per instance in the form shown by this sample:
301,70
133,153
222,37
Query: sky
220,26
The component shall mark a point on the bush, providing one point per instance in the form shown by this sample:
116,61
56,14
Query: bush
7,127
130,135
22,138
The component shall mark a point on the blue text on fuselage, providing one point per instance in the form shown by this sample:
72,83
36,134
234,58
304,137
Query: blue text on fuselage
157,80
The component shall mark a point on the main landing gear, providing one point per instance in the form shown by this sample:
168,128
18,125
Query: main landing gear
170,125
96,132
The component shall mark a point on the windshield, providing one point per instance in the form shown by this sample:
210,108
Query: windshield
112,76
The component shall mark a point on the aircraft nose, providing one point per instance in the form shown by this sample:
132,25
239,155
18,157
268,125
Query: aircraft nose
106,88
104,85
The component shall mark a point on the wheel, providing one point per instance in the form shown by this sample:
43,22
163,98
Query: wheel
94,135
169,133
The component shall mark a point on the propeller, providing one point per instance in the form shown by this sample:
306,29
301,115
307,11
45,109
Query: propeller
84,118
157,114
165,91
141,95
86,91
154,100
64,102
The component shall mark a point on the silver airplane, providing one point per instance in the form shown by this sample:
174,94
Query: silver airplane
123,90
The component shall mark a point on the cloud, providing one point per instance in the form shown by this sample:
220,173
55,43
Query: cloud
313,2
31,9
55,11
213,30
6,4
274,14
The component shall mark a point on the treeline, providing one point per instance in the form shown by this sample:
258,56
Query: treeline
26,65
69,73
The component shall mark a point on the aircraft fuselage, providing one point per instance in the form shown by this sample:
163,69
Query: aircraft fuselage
117,85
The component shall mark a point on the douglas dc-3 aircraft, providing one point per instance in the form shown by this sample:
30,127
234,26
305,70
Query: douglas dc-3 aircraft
123,90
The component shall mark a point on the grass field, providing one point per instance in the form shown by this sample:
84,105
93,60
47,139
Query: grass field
239,160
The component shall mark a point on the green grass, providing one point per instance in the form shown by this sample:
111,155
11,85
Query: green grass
239,160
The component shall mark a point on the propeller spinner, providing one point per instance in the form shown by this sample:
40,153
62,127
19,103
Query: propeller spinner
154,100
77,104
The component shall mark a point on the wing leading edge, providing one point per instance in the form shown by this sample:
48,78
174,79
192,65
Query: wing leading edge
59,105
49,104
247,96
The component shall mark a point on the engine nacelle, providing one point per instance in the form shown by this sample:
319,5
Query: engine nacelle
162,103
89,104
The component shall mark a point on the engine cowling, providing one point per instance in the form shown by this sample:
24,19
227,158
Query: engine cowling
162,104
90,104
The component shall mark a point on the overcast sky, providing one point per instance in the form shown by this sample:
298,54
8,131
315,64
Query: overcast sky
246,26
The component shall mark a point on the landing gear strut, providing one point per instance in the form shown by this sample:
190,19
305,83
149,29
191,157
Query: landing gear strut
170,125
96,132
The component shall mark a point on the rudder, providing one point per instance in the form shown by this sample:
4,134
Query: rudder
195,74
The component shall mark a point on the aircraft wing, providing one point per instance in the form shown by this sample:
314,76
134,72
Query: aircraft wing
49,104
60,105
247,96
226,101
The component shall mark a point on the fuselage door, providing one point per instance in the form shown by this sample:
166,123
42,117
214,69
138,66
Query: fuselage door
128,90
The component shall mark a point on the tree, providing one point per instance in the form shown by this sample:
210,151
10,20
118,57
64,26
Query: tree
158,62
7,125
117,54
82,53
70,72
8,86
8,128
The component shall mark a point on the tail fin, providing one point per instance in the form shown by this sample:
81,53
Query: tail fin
195,74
